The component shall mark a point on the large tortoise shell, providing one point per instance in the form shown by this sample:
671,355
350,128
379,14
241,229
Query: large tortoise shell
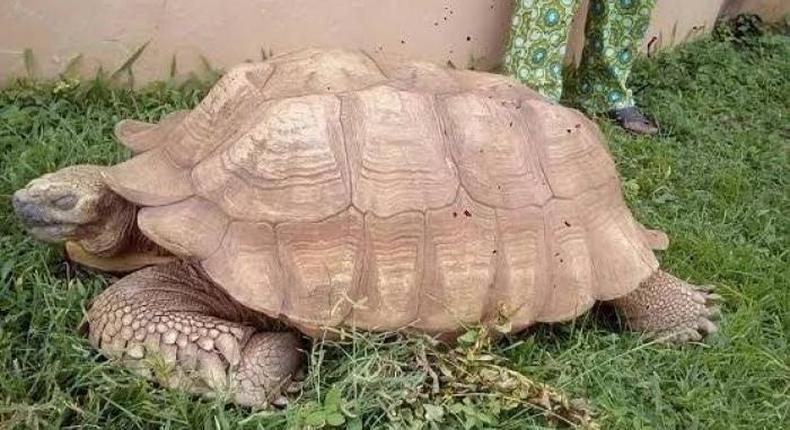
331,188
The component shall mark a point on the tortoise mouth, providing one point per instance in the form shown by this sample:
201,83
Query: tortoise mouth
52,232
40,222
32,214
46,224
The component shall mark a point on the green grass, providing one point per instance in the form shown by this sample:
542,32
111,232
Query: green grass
715,180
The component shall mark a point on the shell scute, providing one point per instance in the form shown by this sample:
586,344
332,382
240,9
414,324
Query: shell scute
396,152
495,150
522,265
289,166
317,71
223,113
573,156
394,268
246,265
459,265
323,262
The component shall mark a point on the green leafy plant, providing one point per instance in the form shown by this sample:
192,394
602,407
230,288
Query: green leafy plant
741,30
333,411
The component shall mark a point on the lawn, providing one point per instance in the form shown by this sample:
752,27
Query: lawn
715,180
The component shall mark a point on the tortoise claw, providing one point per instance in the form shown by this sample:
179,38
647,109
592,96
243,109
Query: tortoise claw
681,335
713,313
699,297
707,326
293,387
280,402
714,298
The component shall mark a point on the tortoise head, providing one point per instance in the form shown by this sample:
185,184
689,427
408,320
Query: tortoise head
70,204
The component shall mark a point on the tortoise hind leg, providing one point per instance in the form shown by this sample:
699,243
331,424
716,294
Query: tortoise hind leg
669,309
171,324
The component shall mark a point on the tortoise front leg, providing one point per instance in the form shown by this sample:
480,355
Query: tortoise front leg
171,324
669,309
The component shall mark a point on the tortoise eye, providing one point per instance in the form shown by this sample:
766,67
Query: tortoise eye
65,202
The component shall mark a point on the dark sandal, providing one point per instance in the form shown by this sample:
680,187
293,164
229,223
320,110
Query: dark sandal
633,120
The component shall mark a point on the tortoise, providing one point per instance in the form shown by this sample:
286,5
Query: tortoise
334,188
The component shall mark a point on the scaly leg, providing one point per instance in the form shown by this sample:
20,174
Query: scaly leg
172,324
670,309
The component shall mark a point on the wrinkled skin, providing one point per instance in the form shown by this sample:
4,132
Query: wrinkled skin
174,312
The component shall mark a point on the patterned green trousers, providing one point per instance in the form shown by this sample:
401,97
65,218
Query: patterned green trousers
613,35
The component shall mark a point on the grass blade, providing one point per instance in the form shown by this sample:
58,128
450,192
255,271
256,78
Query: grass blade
127,65
72,68
30,63
173,67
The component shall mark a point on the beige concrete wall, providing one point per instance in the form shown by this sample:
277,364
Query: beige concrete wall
470,33
227,32
769,10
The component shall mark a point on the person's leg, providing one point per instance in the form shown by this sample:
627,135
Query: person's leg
614,33
538,38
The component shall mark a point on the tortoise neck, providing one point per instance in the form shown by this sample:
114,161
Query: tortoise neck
117,233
